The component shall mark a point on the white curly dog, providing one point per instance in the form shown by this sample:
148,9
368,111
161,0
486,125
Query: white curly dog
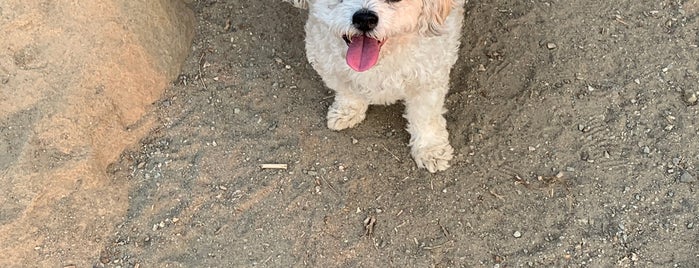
383,51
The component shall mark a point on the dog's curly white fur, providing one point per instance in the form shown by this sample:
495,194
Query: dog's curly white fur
417,43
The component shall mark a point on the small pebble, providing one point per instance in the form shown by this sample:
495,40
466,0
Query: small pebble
517,234
690,225
691,98
551,45
686,177
646,150
676,161
584,156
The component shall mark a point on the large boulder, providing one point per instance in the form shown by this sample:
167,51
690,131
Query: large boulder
77,79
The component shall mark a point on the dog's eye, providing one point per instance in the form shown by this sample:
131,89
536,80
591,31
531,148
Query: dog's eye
393,1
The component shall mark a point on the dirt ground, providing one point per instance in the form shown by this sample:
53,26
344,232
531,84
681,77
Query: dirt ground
573,123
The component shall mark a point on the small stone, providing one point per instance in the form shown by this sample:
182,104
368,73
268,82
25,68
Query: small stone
646,150
691,98
551,45
676,161
584,156
355,141
690,225
236,111
686,177
517,234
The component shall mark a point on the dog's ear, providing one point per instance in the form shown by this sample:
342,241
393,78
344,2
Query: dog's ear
434,14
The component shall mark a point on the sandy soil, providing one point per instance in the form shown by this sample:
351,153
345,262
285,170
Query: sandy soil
574,124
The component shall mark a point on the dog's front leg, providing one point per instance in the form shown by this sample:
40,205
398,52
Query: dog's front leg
429,139
347,111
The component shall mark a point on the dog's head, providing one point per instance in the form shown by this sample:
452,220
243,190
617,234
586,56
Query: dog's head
366,25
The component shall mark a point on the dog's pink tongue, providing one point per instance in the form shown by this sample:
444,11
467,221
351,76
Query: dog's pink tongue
363,53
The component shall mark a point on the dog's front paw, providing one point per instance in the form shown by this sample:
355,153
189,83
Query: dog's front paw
345,116
433,158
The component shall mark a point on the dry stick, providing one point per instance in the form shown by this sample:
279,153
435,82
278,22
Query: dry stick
329,185
201,76
274,166
394,156
438,246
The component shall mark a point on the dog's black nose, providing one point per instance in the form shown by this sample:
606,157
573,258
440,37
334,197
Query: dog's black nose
365,20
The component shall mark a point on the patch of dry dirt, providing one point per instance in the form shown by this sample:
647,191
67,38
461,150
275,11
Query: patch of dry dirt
574,124
76,81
